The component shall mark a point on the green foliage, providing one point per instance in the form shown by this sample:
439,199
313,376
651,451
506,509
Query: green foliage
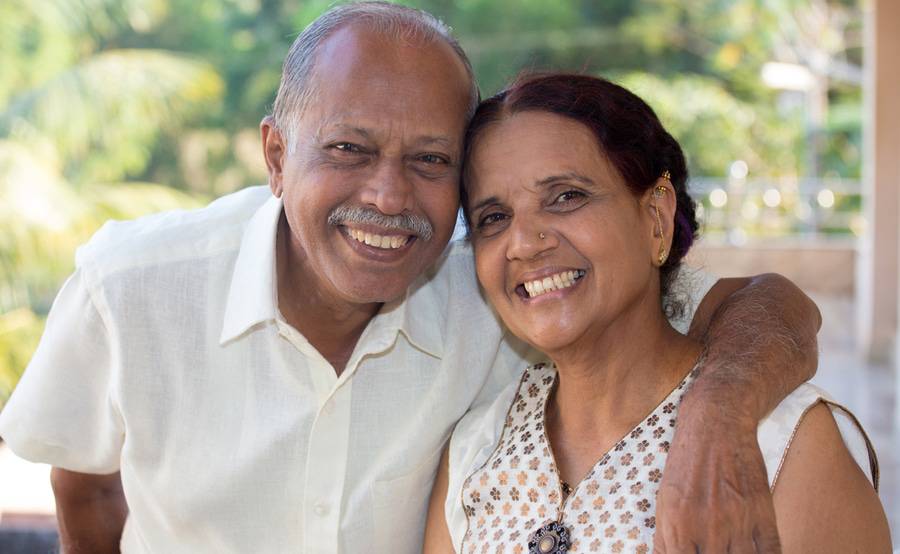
20,331
116,108
715,128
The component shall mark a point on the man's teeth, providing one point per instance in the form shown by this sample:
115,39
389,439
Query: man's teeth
379,241
554,282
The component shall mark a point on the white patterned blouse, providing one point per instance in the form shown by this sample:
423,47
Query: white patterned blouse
505,495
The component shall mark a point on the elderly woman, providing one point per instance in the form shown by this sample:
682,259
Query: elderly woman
579,216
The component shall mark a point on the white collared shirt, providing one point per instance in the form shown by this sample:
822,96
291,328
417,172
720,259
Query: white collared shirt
165,357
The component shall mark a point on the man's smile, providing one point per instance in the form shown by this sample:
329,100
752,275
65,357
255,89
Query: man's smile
376,240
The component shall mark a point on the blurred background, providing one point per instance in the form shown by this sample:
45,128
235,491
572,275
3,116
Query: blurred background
788,111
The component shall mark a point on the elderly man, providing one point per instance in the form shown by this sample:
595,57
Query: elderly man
279,371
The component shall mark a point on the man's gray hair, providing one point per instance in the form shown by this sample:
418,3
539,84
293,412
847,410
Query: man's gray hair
296,89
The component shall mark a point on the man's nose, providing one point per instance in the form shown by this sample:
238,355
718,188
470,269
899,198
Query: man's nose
390,190
529,238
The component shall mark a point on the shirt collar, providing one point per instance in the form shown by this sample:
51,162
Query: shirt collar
251,298
419,314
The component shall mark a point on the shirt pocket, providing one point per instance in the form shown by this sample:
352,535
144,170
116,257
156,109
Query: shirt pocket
400,506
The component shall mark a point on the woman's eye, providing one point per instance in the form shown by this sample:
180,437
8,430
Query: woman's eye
568,196
490,219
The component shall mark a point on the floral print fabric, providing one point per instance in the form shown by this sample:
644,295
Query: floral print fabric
518,489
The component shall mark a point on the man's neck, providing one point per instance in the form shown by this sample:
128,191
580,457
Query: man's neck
330,324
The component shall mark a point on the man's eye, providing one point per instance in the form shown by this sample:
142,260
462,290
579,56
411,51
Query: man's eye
347,147
434,159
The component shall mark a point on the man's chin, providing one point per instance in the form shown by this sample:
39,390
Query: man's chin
375,290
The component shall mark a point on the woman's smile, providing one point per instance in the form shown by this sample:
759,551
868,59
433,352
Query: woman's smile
543,284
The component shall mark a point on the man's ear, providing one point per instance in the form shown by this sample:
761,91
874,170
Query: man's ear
274,152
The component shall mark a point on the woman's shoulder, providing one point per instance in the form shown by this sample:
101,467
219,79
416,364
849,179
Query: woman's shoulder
478,433
778,430
482,426
825,486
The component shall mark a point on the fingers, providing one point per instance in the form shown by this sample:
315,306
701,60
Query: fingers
742,545
761,541
659,540
767,541
752,532
765,530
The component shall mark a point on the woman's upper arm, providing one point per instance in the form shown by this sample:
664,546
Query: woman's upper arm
823,501
437,534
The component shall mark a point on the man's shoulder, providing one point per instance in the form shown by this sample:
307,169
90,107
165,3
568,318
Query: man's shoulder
456,259
171,236
453,274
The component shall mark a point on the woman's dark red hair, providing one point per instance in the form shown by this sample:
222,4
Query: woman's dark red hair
626,128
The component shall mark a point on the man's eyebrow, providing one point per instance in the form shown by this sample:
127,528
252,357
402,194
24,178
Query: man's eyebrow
427,140
570,176
440,140
361,131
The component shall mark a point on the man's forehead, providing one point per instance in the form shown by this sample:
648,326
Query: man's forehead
367,39
375,129
368,55
375,85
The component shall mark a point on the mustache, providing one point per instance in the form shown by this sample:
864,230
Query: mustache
413,224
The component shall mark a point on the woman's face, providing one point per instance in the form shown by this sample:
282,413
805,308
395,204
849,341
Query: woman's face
535,175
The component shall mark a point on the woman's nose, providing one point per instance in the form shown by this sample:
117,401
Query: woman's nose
529,239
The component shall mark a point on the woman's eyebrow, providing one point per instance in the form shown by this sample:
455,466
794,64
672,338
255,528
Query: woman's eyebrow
541,183
482,203
570,176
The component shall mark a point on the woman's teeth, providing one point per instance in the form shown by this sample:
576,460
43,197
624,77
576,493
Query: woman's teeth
378,241
554,282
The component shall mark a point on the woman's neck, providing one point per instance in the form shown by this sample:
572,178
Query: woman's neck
610,381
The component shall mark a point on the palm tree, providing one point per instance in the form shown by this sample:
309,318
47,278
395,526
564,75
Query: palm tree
79,117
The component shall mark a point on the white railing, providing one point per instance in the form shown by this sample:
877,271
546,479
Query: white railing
738,210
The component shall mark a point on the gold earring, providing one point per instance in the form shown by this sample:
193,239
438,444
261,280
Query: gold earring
662,245
659,191
666,175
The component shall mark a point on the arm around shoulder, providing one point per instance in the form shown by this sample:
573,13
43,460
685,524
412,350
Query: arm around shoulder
823,500
760,337
760,344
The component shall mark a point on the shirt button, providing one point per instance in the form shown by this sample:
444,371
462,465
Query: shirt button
321,509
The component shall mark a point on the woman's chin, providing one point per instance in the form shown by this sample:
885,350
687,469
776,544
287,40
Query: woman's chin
549,339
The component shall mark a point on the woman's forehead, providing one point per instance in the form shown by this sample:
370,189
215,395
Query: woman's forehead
530,148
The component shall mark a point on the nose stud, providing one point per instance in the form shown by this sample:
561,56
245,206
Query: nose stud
542,236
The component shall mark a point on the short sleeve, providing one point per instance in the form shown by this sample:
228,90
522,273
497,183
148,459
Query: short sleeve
62,411
777,430
689,289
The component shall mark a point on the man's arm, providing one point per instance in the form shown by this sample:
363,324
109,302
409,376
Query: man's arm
760,339
91,511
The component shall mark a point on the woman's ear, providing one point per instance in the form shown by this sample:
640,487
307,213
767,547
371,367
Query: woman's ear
659,205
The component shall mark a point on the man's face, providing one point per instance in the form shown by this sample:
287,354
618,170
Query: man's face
381,136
